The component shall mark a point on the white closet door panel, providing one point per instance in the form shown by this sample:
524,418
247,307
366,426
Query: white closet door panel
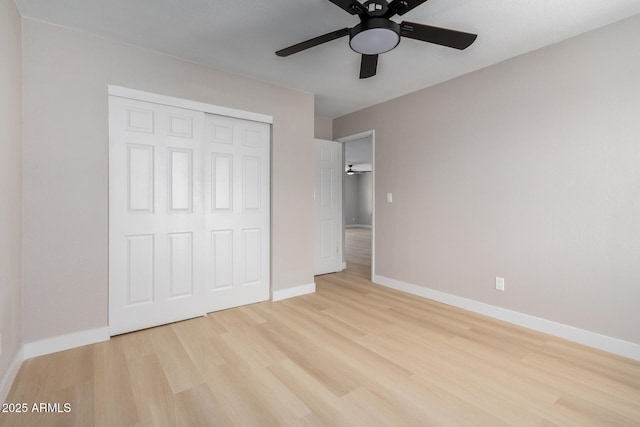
221,259
139,119
180,265
140,178
237,210
140,262
156,268
251,256
251,182
222,182
180,174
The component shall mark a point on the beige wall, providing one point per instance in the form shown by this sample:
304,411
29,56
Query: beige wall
323,127
358,200
351,199
66,75
10,182
529,170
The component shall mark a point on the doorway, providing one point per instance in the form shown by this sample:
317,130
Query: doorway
358,228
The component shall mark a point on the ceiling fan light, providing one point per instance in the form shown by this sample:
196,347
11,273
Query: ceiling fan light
374,36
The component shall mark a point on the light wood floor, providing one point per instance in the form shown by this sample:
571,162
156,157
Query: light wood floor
352,354
357,244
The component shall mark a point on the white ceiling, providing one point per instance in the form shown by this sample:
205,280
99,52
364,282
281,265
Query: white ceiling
241,36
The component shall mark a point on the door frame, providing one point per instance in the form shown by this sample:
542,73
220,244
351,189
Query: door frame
370,133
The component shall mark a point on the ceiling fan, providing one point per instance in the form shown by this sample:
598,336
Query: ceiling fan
377,33
350,171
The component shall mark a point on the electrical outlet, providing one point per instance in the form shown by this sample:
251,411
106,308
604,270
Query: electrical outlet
500,283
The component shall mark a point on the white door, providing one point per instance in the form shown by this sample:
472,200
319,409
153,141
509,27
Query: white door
328,206
237,206
160,260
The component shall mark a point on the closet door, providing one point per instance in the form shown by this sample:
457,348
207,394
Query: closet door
237,211
156,270
189,212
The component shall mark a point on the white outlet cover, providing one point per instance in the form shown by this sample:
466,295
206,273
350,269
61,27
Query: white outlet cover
500,283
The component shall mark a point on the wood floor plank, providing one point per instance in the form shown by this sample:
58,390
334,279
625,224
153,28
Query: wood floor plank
176,364
235,391
196,338
319,362
285,404
323,403
113,395
352,354
368,409
197,406
154,398
237,398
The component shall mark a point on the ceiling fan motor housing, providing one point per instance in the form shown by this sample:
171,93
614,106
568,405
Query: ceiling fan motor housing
374,36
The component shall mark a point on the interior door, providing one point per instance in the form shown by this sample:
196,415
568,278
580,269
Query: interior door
155,241
237,211
327,206
189,212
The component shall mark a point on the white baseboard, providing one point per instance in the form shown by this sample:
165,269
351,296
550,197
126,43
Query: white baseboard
357,226
10,375
591,339
65,342
296,291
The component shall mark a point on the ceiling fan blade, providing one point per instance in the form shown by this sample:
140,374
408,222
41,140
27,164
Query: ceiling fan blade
400,7
313,42
437,35
354,7
368,66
